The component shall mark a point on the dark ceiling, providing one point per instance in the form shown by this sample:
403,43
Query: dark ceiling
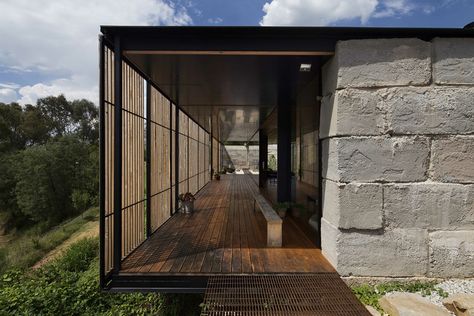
237,91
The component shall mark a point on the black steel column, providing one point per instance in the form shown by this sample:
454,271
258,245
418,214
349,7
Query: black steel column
118,155
101,161
148,159
284,144
262,158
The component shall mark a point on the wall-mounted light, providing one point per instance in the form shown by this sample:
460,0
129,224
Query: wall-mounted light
305,67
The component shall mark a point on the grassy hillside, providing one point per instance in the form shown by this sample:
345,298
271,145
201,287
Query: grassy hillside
66,280
27,247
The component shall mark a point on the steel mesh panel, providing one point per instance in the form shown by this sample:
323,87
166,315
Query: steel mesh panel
280,294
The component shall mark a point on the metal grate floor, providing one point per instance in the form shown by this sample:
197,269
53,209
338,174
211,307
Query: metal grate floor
280,294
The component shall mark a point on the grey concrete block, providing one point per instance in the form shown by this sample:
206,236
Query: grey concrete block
354,205
453,60
329,75
429,205
369,159
398,252
352,112
429,110
379,63
452,159
451,254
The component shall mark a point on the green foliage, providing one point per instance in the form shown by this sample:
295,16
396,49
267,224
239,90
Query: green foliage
48,160
66,288
370,294
49,177
30,246
272,162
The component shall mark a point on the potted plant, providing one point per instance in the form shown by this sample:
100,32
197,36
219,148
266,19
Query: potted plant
282,208
187,202
217,176
297,209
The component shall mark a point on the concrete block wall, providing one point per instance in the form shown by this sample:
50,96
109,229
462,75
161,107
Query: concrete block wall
397,130
240,157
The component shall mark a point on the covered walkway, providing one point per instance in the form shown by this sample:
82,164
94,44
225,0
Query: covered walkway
224,235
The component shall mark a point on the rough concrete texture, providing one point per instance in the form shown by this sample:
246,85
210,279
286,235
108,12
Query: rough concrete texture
385,123
378,63
460,304
428,110
451,253
397,252
452,159
355,205
239,157
429,205
410,304
329,242
351,112
453,60
368,159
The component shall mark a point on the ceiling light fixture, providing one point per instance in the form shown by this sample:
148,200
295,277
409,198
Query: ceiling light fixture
305,67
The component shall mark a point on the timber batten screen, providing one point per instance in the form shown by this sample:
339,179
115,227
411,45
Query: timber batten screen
140,137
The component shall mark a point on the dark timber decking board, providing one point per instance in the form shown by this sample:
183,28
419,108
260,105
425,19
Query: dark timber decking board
224,235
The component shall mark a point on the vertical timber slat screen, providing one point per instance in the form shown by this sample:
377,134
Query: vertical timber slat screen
133,163
193,160
160,190
183,129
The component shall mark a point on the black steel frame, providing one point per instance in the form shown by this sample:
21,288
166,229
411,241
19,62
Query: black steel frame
277,39
114,280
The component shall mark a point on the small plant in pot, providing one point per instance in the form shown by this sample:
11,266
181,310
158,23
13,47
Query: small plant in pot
282,208
298,210
217,176
187,202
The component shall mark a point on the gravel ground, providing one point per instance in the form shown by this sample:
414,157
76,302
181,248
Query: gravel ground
455,286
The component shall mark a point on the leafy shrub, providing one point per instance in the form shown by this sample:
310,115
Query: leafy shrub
370,295
70,286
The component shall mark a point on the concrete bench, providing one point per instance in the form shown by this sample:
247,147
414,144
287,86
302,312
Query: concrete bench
274,222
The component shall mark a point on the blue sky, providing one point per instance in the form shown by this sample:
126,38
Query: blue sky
50,46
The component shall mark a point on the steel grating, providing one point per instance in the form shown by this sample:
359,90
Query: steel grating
280,294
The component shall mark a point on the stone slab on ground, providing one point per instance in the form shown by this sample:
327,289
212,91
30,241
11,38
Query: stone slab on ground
409,304
460,304
372,310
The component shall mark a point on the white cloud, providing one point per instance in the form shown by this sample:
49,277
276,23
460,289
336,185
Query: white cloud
215,20
60,37
326,12
8,95
394,7
316,12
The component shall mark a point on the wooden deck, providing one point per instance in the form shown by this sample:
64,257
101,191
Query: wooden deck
224,235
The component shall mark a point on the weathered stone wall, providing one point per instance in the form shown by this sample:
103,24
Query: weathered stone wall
240,157
397,129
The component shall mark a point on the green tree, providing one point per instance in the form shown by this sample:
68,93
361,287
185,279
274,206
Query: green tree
48,160
48,176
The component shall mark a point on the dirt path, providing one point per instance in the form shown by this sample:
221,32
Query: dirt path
90,229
